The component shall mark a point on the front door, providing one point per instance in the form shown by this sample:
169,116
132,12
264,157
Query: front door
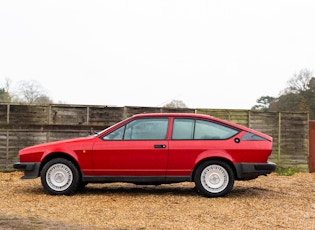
138,148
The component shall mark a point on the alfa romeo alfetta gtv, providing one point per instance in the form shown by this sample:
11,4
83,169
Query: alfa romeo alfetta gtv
157,148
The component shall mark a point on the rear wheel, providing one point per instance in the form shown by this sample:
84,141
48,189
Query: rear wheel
60,176
214,178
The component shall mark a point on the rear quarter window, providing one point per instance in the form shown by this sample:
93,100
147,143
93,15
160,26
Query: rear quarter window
191,129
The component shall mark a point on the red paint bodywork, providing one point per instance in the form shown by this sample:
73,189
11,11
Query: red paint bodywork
98,157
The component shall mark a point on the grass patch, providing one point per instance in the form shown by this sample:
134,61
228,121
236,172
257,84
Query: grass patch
287,171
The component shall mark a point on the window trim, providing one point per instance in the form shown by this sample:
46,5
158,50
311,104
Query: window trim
142,118
194,129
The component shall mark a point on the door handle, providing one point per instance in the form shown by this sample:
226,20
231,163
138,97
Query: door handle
159,146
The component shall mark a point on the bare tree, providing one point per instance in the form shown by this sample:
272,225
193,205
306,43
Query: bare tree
32,92
43,99
5,95
175,104
300,82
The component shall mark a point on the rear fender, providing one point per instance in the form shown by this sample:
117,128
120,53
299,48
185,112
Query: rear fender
213,154
217,155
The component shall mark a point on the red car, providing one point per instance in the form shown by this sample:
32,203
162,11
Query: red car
157,148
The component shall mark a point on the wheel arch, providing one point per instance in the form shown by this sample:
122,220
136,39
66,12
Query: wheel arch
54,155
227,161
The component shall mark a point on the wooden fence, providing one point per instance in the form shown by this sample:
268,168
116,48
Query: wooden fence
25,125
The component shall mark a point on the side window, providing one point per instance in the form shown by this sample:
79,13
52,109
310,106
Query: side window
147,129
206,130
116,134
183,129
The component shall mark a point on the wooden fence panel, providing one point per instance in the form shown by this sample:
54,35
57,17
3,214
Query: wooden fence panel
237,116
268,123
129,111
3,113
28,114
177,110
70,115
294,139
105,116
66,134
3,150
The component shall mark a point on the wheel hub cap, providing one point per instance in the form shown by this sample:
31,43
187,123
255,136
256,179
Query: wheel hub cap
214,178
59,177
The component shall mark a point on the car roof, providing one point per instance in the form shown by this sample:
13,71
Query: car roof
195,115
184,115
189,115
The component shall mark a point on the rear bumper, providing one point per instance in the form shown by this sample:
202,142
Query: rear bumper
248,171
31,169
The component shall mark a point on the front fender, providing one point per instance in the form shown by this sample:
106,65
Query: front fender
61,150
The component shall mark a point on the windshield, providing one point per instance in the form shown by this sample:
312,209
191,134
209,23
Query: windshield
104,130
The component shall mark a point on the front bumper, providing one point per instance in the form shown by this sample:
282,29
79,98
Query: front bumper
248,171
31,169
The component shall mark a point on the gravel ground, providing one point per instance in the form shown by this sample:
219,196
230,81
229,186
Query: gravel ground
272,202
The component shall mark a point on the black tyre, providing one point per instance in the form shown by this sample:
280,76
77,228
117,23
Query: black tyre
82,185
60,176
214,178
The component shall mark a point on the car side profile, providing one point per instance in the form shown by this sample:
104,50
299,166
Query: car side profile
155,148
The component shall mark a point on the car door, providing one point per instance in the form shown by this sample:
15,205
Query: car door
190,138
139,148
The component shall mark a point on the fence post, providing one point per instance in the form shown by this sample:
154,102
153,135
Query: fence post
125,112
49,115
248,119
279,137
8,113
87,115
7,136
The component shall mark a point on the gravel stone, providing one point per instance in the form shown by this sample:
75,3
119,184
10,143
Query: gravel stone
268,202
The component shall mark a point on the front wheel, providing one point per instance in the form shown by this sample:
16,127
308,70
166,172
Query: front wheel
60,176
214,178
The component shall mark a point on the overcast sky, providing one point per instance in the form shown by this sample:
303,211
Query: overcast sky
209,54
